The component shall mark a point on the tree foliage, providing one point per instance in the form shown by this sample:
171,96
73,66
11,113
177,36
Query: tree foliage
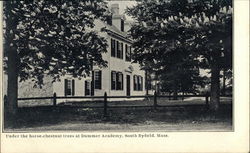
183,35
54,37
168,25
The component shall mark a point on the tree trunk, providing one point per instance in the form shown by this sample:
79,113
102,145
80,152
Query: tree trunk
215,88
12,87
11,52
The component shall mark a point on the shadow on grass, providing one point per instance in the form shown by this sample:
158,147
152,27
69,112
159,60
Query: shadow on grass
45,116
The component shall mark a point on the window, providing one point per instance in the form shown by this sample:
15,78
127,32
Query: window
98,79
128,52
87,88
119,81
119,50
116,49
109,20
69,87
113,50
116,80
113,80
138,83
122,25
135,83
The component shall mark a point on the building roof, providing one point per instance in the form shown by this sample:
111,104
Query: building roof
114,31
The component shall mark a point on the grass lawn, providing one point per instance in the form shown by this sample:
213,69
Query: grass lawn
174,116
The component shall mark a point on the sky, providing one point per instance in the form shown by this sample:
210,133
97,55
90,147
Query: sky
123,4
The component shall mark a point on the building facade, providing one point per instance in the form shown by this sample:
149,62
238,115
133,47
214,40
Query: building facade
120,78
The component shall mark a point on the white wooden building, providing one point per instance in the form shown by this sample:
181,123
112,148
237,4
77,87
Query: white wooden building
120,78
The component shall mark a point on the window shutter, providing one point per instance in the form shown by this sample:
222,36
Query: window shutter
85,88
113,47
141,83
122,82
100,81
112,87
73,87
117,82
65,87
126,52
117,48
121,50
134,82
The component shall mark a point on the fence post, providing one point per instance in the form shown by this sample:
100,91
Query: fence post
105,105
54,99
155,100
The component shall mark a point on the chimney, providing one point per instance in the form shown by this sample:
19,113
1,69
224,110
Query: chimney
115,9
117,18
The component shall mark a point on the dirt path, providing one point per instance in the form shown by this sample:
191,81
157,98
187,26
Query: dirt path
149,126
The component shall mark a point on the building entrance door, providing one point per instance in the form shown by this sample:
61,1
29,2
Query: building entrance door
128,85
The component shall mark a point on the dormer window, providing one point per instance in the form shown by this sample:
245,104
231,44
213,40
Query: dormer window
109,20
122,25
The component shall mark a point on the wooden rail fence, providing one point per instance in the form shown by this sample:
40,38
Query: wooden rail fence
105,99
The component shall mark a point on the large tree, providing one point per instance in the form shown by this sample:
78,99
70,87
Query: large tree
199,28
52,37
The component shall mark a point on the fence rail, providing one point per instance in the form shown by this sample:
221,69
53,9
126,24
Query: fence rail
109,97
84,97
105,99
